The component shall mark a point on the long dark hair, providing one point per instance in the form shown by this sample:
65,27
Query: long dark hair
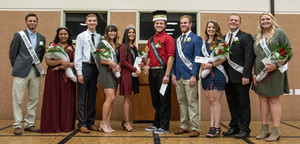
56,39
218,35
126,41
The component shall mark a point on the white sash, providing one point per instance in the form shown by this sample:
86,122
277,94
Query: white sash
92,48
181,55
234,65
32,52
267,51
220,67
112,51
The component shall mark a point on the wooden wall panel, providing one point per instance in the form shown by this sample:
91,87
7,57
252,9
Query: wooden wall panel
14,21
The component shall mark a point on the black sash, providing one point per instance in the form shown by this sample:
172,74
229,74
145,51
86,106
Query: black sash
158,57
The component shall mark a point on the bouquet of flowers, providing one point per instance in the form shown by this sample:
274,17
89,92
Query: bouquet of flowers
142,56
56,52
218,53
106,54
280,54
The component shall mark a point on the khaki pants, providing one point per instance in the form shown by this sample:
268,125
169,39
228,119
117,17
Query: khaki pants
18,90
188,103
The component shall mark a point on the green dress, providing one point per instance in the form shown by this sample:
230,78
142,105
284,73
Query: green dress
275,83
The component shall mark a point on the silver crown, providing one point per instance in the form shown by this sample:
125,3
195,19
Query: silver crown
212,20
130,26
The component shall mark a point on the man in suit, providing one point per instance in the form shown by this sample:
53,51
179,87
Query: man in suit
87,74
185,76
160,61
238,68
26,72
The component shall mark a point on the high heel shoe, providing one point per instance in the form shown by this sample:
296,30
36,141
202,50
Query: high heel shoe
209,132
264,133
215,133
106,130
125,128
275,135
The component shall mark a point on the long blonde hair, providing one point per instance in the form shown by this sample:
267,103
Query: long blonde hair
260,30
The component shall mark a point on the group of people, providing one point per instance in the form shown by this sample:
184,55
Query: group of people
168,61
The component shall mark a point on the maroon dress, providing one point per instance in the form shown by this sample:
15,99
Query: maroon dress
58,101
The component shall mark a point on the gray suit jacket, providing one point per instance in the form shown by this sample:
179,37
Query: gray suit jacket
20,58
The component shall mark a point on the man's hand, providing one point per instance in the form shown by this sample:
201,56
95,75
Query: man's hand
165,80
146,69
245,81
80,79
174,80
192,81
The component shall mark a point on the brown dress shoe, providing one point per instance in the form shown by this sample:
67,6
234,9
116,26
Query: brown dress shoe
84,130
31,129
93,127
18,131
180,131
194,133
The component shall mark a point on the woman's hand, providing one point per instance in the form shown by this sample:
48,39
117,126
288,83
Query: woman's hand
138,73
207,65
64,63
270,67
255,82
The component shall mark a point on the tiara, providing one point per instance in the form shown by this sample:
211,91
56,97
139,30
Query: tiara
130,26
212,20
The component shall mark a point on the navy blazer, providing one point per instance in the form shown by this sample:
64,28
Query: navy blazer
190,50
20,58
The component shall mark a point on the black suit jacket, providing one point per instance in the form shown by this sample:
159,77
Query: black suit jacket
243,55
19,56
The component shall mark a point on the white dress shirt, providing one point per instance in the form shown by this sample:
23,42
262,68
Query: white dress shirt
186,35
82,50
233,36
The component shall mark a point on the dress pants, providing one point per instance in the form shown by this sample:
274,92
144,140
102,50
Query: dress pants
188,102
239,105
89,89
32,82
161,103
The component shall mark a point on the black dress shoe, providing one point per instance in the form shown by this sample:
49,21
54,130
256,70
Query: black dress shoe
231,132
242,134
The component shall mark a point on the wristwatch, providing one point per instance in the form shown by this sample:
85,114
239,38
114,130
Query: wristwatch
167,75
276,64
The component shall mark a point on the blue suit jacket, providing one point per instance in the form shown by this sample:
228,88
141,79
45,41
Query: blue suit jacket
190,50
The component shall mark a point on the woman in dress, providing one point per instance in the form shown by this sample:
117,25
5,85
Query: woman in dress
59,94
128,83
106,74
275,83
213,84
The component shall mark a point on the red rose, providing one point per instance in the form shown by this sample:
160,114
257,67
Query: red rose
54,44
224,45
105,49
283,53
98,50
281,49
220,52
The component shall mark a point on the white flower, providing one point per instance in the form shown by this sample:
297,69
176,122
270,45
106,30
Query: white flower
188,40
275,56
158,45
101,38
236,39
41,43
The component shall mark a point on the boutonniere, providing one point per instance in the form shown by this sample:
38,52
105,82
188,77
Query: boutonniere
158,45
236,40
101,38
188,40
41,43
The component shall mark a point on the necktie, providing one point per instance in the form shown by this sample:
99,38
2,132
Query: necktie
92,57
230,39
182,40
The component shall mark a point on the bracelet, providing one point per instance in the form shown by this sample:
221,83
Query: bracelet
276,64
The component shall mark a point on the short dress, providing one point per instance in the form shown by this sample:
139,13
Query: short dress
214,80
106,75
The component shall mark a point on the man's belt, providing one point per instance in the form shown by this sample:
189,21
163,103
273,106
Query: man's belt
156,67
